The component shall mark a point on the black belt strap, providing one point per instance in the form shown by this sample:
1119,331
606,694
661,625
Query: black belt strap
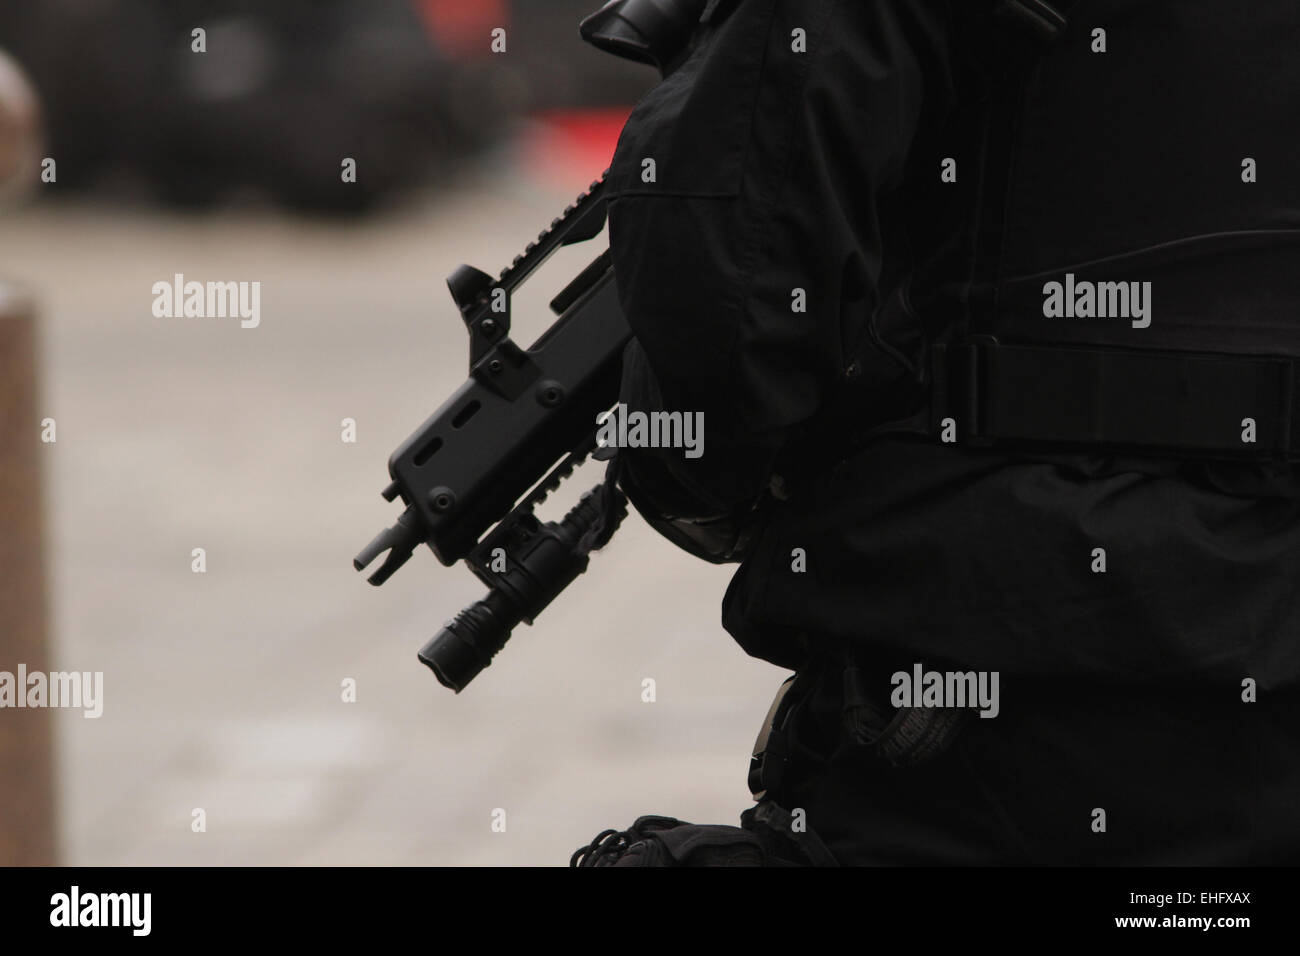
1190,404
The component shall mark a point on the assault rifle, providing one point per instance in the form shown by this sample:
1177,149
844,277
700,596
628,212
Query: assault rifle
472,476
500,437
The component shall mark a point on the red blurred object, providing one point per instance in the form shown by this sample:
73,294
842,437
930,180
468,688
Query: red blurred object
593,133
463,28
572,147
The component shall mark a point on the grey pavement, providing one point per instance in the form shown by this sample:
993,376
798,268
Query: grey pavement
223,689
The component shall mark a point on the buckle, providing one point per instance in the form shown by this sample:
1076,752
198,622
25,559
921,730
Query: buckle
959,372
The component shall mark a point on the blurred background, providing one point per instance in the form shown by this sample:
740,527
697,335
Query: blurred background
223,689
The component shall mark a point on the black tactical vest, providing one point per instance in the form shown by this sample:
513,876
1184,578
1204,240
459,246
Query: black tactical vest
1121,236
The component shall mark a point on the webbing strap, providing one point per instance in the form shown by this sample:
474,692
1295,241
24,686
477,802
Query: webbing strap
1044,21
1028,29
1191,404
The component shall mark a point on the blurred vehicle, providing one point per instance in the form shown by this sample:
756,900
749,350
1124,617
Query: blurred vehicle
284,92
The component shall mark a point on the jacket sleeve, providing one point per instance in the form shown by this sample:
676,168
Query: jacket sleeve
746,200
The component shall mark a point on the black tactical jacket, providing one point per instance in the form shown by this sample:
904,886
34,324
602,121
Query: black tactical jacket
800,152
